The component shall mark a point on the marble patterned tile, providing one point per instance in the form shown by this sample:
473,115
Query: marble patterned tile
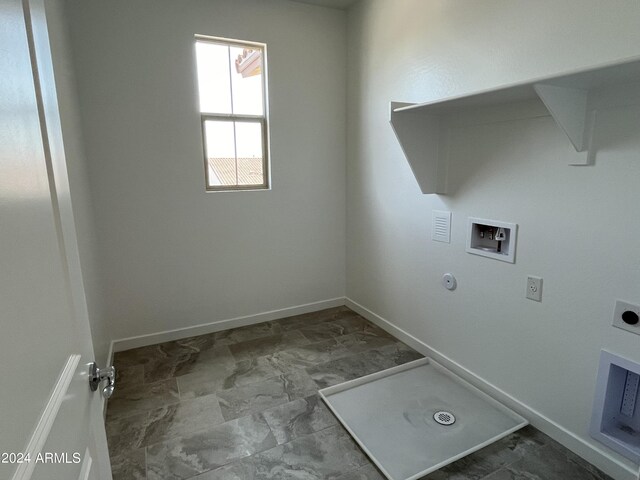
185,346
319,332
361,364
137,356
247,469
322,455
321,352
267,345
128,376
206,450
574,459
256,397
142,398
165,368
344,326
164,423
355,366
299,417
178,365
398,353
311,354
504,474
358,324
478,465
183,418
547,463
297,321
298,384
125,433
360,342
253,398
212,358
240,470
129,466
250,332
227,376
347,368
368,472
209,381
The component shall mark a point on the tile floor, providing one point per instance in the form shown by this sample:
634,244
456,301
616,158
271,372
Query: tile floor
242,405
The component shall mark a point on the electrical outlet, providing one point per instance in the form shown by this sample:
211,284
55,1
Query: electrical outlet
534,288
626,316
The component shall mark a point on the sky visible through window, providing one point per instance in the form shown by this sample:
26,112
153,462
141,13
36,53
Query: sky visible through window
223,90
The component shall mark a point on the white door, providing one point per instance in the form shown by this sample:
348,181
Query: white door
51,424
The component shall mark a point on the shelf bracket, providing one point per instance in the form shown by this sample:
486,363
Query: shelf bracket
569,107
419,136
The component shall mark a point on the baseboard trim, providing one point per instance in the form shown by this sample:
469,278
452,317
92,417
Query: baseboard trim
600,458
202,329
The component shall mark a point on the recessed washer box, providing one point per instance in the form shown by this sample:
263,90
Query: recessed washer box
492,239
615,421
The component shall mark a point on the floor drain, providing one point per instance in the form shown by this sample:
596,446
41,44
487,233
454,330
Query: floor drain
444,418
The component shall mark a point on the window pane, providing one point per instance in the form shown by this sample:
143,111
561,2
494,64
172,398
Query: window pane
249,151
246,73
213,77
234,153
221,152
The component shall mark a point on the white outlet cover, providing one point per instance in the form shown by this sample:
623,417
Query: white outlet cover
534,288
620,308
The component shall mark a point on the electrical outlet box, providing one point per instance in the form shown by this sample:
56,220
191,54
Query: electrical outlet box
626,316
534,288
492,238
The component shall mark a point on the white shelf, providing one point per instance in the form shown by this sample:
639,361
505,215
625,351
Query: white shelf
568,98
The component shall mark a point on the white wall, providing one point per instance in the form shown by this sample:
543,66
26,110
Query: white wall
173,255
79,187
579,226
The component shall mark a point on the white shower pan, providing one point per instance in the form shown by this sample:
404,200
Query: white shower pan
418,417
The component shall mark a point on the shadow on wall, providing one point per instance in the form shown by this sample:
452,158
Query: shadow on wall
498,154
518,149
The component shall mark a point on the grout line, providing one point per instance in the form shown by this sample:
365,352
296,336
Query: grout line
499,469
348,354
196,431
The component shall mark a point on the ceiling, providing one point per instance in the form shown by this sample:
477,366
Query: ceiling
341,4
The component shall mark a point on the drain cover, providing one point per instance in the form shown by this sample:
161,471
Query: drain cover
444,418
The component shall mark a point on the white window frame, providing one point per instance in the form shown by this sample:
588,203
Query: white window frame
232,117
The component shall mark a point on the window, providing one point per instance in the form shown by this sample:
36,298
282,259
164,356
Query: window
233,109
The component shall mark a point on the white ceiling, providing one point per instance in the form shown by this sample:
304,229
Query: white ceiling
341,4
